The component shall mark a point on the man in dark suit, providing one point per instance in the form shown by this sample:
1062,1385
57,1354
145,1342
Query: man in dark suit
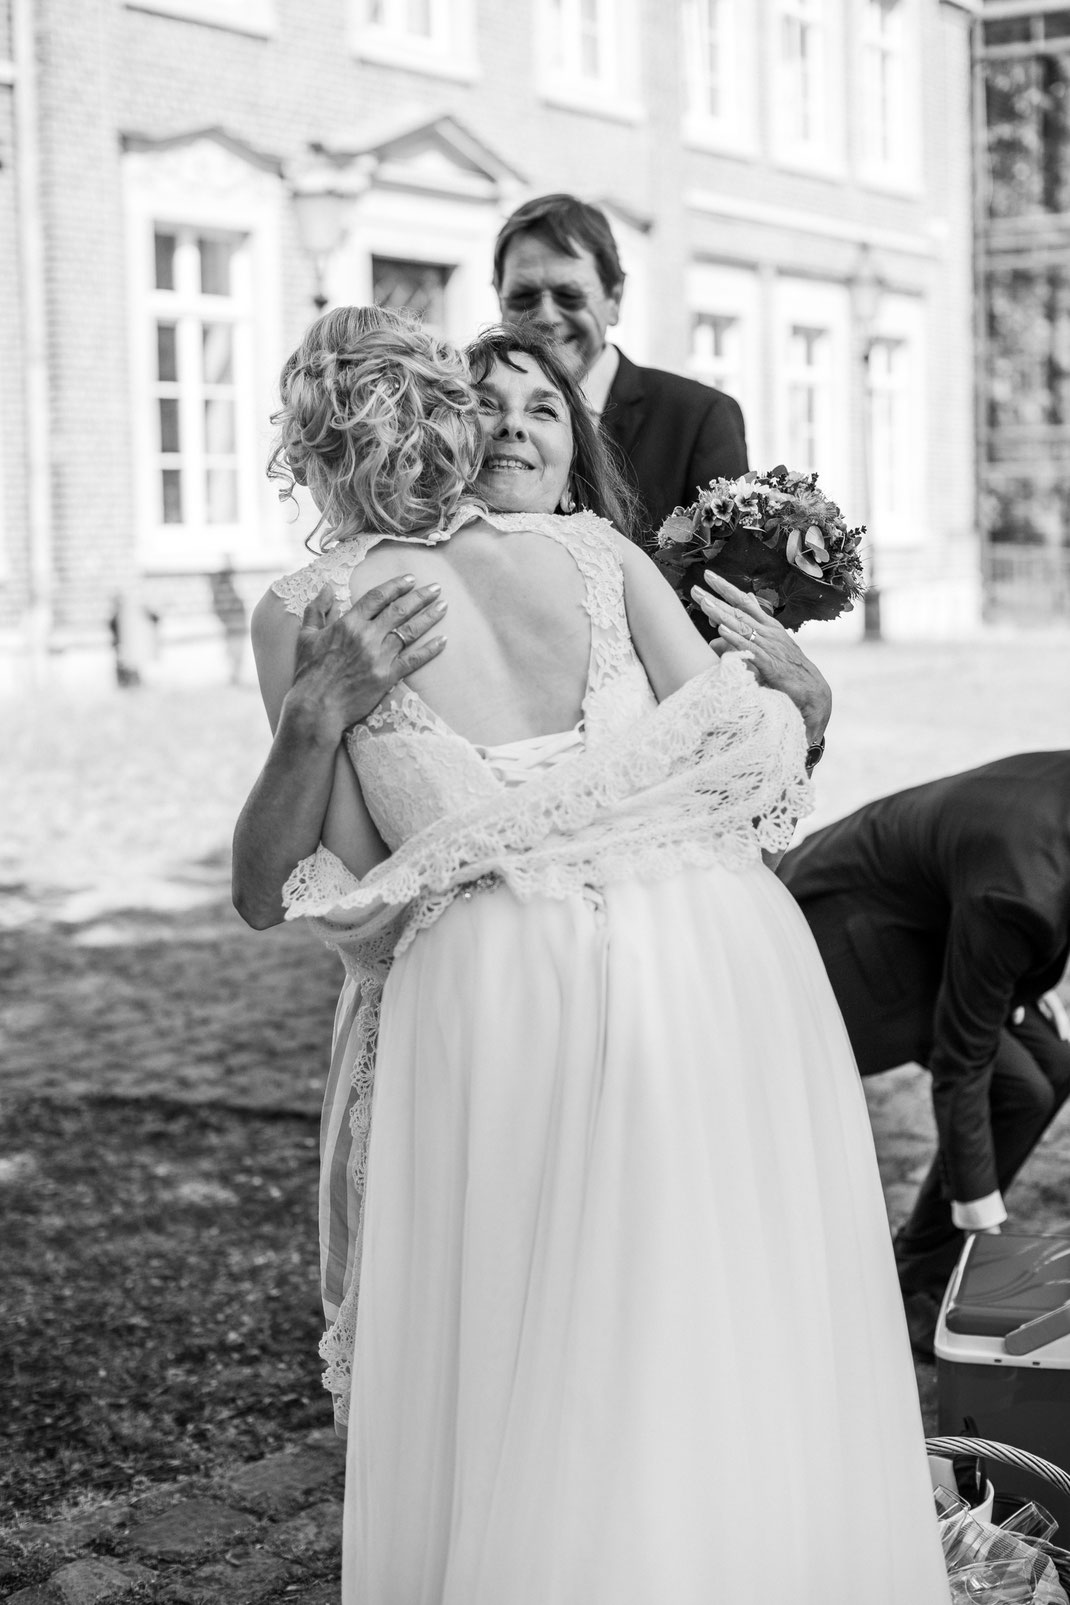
556,260
943,917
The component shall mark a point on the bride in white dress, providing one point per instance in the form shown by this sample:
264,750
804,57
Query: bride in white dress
628,1328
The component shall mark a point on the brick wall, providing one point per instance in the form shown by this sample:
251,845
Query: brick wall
81,71
108,71
13,508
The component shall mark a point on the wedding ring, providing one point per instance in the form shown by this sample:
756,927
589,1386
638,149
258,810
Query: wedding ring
752,634
402,643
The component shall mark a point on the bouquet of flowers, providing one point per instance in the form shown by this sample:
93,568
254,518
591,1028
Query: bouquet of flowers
775,535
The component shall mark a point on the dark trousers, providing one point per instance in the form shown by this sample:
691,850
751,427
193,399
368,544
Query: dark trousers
886,979
1030,1083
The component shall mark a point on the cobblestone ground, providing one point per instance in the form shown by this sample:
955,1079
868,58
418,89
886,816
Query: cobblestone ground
126,972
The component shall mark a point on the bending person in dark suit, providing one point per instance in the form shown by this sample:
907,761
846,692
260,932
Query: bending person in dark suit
556,260
943,917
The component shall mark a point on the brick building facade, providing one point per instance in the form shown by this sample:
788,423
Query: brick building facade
789,181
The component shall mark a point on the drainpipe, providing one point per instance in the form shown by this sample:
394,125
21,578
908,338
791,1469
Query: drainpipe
34,338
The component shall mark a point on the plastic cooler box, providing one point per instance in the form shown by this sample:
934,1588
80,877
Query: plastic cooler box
1003,1357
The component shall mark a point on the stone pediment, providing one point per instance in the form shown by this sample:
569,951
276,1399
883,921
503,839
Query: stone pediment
438,155
212,147
208,164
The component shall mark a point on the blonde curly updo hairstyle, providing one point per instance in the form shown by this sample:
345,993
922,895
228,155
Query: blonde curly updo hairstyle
379,420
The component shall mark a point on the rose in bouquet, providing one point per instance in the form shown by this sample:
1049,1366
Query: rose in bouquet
774,535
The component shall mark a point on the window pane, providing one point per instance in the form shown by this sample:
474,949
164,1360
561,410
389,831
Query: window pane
169,424
166,352
557,33
590,54
710,25
165,261
216,258
218,354
221,495
420,287
218,427
1008,31
171,479
710,335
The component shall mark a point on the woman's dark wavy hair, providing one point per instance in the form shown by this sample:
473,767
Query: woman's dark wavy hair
379,420
595,480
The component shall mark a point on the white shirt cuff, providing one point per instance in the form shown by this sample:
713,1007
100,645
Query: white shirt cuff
979,1213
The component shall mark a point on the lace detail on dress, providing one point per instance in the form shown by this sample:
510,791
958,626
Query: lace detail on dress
713,774
333,567
337,1345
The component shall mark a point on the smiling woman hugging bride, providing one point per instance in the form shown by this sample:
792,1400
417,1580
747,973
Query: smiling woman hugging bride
596,1156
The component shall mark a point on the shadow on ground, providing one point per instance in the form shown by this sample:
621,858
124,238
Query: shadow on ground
157,1001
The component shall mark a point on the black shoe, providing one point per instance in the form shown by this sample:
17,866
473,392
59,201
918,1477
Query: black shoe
922,1312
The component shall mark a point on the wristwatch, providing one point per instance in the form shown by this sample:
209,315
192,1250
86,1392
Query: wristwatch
814,755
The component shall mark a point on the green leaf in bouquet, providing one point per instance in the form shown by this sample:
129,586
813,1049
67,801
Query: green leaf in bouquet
676,530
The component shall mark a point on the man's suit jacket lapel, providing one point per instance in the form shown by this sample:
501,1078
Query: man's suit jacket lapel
623,417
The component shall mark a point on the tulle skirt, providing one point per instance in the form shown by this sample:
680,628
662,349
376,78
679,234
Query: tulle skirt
629,1329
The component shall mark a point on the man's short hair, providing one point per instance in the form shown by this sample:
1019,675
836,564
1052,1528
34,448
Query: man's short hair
564,223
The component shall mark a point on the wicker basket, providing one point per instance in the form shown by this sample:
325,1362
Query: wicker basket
1003,1454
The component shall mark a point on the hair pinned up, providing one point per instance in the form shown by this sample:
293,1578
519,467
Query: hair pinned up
378,419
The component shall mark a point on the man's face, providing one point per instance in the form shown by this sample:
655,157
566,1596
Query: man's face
563,293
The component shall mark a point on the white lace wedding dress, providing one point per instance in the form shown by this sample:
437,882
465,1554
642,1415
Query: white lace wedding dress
629,1331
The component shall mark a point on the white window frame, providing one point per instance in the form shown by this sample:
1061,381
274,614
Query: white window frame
441,230
256,17
888,78
191,311
822,148
734,293
211,190
901,522
615,91
733,125
816,304
447,50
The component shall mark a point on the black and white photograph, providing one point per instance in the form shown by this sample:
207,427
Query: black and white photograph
535,802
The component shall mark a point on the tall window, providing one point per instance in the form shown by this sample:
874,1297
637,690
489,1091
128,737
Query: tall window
718,39
709,23
588,55
430,36
888,111
201,392
898,439
890,432
802,49
808,374
728,348
716,350
807,109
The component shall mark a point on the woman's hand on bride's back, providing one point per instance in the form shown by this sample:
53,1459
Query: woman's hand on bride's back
345,663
